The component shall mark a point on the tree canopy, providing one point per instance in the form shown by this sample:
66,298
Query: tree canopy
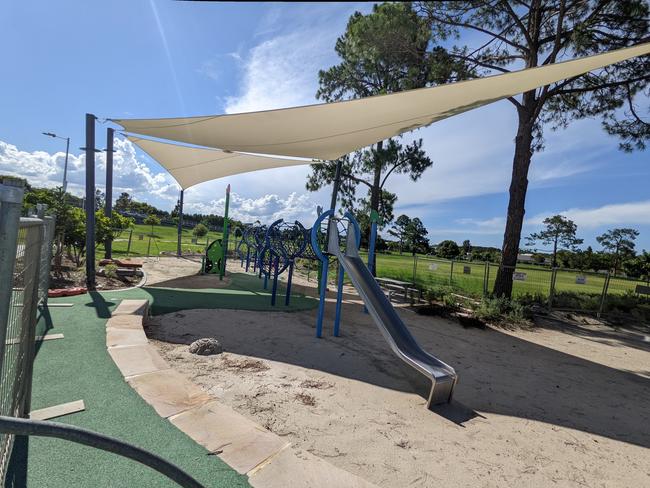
448,249
507,36
399,229
558,232
415,236
620,243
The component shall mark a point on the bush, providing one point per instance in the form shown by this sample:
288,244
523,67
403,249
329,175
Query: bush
437,293
110,271
499,309
200,230
576,301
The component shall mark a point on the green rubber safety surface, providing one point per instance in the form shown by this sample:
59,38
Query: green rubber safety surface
244,293
78,367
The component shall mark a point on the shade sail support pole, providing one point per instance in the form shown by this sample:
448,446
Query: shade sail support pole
335,193
90,201
108,206
180,223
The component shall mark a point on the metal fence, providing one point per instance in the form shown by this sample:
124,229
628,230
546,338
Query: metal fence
25,254
558,287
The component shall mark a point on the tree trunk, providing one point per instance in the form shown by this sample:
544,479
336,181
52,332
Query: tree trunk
375,193
517,202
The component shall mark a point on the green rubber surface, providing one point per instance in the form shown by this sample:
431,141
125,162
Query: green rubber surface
245,293
78,367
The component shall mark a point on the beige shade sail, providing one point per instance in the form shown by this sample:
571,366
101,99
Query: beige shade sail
328,131
192,165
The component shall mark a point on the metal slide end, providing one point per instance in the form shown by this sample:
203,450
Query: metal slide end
442,390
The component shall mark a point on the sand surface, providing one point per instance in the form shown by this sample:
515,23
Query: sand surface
556,406
171,272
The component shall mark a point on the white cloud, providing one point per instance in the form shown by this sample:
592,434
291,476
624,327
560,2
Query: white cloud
282,70
130,174
210,68
266,208
41,168
488,225
618,214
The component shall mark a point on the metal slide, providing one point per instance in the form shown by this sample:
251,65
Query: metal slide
442,376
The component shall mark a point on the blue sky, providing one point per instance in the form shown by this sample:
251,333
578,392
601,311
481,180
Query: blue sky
165,59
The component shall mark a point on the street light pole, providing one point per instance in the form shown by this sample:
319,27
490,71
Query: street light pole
58,258
67,151
65,166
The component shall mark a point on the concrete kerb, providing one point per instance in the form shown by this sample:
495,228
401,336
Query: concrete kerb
267,459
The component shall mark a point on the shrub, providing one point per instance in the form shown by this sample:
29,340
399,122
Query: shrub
437,293
576,301
200,230
110,271
498,309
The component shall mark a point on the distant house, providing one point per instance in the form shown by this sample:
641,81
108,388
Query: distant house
526,259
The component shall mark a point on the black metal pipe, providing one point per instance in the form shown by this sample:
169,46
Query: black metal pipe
180,223
108,206
335,194
26,427
90,202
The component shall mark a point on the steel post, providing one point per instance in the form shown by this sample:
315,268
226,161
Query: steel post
180,223
90,202
108,207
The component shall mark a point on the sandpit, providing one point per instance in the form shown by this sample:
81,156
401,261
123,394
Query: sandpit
554,408
173,272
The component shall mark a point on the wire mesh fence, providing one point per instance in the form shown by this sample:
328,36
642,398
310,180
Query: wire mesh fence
18,347
25,254
558,287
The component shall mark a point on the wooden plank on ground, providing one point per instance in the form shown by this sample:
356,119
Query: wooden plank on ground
49,337
57,410
60,305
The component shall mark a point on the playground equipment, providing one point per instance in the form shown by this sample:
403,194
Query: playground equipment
276,252
245,246
213,259
285,242
217,251
443,378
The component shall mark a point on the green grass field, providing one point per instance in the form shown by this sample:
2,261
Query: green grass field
470,276
163,239
429,271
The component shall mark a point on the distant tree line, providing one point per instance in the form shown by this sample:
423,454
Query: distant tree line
70,229
617,255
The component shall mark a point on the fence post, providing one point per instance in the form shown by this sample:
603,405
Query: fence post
46,258
415,267
451,273
128,246
551,292
11,198
603,296
485,277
